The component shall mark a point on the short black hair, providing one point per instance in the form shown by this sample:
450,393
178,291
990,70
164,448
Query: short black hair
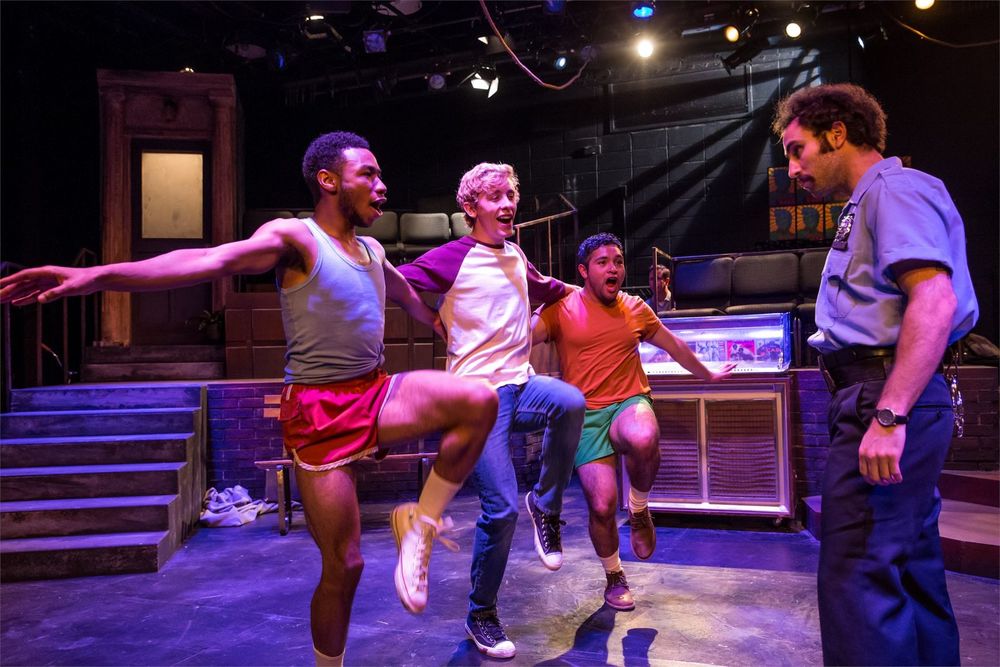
592,243
327,152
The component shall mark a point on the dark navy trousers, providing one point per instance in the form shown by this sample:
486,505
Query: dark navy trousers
881,582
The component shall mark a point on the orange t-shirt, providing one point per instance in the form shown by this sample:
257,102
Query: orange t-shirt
598,345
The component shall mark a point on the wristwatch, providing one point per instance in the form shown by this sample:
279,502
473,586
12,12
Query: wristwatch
886,417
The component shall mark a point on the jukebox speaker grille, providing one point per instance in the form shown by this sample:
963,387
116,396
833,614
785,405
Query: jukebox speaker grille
742,446
679,475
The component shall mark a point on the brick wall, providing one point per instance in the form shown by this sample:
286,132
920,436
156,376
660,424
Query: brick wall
243,427
978,450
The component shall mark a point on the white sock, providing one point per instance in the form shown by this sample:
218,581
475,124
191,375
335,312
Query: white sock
611,563
323,660
637,500
436,495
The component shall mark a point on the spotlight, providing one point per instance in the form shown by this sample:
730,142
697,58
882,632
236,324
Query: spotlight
484,77
315,17
643,10
484,39
186,70
560,62
374,41
744,53
731,33
436,81
554,6
793,30
644,47
924,4
868,39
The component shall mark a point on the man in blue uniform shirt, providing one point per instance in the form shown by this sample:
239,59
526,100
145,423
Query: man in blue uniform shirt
895,292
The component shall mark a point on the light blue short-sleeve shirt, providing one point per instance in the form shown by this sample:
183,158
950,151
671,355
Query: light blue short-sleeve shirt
894,214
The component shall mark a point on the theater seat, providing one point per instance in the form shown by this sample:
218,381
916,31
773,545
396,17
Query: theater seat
459,227
765,284
420,232
385,230
701,287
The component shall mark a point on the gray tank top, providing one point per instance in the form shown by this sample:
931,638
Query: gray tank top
335,320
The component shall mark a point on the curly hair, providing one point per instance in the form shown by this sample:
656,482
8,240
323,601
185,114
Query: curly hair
592,243
818,108
327,152
481,178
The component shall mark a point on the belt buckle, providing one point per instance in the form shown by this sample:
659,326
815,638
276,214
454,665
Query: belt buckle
827,378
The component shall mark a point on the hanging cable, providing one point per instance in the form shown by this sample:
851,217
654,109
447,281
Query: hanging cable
517,61
939,42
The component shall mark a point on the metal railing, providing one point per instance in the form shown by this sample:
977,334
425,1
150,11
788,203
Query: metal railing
45,343
554,267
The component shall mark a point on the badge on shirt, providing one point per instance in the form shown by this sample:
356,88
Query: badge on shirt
843,231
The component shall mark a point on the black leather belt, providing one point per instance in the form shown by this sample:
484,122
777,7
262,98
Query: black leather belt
852,365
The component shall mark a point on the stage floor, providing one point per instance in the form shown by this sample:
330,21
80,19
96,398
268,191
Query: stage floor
710,595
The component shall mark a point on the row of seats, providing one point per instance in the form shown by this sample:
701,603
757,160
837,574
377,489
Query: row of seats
746,283
783,281
404,237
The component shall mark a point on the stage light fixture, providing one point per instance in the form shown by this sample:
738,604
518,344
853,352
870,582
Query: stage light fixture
554,6
731,33
484,77
924,4
644,47
793,29
560,62
485,39
744,53
375,41
867,39
436,81
315,17
643,10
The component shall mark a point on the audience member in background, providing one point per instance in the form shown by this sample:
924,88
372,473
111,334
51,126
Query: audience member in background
659,288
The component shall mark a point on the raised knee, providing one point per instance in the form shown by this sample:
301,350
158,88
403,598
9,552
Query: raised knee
482,402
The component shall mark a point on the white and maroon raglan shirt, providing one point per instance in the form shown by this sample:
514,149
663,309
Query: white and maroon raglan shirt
485,292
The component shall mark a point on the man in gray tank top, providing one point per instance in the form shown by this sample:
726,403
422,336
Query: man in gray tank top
338,405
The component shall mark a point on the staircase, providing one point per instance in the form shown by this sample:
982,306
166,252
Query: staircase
969,523
153,362
99,479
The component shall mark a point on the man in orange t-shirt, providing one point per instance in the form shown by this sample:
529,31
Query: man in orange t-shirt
597,331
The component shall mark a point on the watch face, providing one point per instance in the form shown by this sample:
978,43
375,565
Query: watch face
886,417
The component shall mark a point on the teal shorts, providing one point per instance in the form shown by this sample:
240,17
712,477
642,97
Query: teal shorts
595,440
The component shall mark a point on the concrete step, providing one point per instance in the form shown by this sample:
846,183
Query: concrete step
970,538
98,422
94,449
971,486
105,397
970,534
84,555
167,370
83,516
154,353
94,481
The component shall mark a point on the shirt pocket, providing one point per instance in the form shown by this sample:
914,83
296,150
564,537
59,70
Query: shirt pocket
839,300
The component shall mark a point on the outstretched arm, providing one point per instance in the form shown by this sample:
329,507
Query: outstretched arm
178,268
665,339
401,292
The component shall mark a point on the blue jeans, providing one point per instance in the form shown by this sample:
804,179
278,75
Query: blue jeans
540,403
881,583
